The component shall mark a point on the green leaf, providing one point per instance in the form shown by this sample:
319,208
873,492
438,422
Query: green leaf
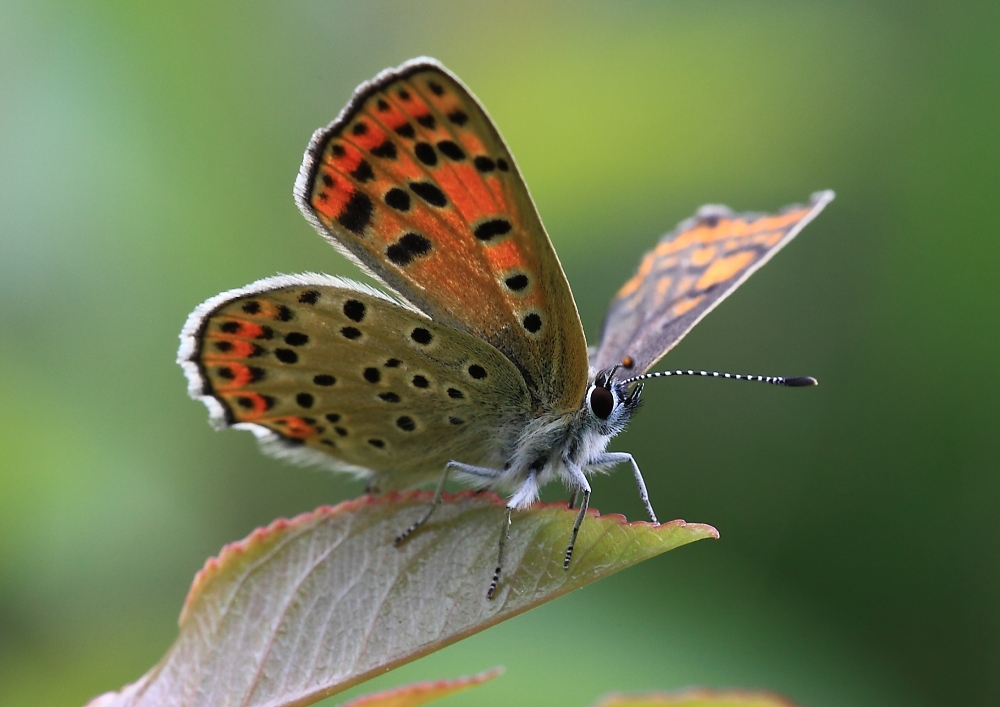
697,698
311,606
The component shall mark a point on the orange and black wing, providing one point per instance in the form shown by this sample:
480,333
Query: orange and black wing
691,270
414,183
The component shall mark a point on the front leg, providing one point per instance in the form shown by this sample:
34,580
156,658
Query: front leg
584,486
619,457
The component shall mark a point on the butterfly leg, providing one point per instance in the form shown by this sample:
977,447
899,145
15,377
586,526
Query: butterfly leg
439,492
583,486
527,492
571,503
618,458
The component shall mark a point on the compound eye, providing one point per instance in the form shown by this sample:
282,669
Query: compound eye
602,402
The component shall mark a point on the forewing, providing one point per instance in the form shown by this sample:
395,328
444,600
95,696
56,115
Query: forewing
323,369
414,183
691,270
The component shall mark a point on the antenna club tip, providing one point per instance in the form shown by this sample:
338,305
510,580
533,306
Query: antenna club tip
801,382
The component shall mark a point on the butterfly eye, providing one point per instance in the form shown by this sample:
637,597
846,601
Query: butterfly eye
602,402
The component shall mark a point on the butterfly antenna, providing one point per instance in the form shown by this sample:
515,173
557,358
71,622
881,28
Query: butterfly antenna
794,382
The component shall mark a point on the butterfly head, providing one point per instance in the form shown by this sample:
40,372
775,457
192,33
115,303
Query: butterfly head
609,403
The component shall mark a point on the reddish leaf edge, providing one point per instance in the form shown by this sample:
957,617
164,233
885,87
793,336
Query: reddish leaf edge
452,686
214,565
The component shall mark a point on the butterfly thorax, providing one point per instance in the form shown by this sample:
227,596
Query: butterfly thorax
551,442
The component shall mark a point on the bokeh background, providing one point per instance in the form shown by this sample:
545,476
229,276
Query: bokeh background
147,153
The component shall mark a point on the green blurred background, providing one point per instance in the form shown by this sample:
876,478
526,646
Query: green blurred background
147,154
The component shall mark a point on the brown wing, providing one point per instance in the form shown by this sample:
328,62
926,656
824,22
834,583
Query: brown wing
694,268
415,184
327,371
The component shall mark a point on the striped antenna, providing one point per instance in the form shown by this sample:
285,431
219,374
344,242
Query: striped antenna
795,382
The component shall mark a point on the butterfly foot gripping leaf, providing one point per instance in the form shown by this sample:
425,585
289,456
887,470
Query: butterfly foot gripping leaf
478,366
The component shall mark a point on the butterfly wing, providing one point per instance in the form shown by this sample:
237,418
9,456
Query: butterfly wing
414,183
691,270
325,370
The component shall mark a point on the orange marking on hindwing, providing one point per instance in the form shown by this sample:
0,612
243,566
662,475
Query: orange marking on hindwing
234,348
725,269
298,428
241,374
703,256
686,305
644,269
248,406
662,290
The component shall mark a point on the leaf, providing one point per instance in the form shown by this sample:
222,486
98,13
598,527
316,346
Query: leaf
311,606
697,698
422,692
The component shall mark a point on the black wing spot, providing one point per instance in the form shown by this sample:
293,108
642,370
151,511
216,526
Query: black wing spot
392,363
386,150
245,402
363,172
296,338
516,283
382,105
309,297
341,431
406,423
458,117
266,332
225,372
492,228
360,128
230,327
327,179
455,393
429,193
284,313
404,94
477,371
256,374
397,199
502,164
251,307
324,380
332,417
223,346
435,87
451,150
425,153
354,310
456,420
349,332
421,336
286,355
372,375
389,397
427,120
420,382
377,443
484,164
406,130
357,213
532,323
337,150
407,248
305,400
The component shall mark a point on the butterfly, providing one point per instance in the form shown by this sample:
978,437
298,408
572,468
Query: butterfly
473,362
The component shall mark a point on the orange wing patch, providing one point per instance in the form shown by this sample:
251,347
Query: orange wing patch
691,270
